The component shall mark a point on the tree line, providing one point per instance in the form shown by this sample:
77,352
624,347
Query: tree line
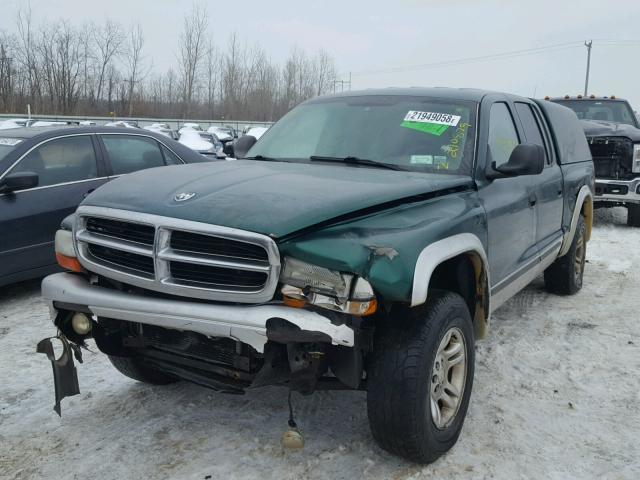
99,69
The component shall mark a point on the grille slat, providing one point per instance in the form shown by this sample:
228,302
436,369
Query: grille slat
178,257
217,276
127,260
132,232
210,245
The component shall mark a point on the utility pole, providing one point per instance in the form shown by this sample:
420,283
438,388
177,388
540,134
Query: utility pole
586,81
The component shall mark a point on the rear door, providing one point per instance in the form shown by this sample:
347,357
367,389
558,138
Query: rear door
508,202
548,193
68,169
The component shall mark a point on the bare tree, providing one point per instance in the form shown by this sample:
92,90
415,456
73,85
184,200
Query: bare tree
212,71
6,71
59,67
108,42
135,62
25,52
192,51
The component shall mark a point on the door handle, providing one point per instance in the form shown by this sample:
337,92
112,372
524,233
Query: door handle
88,192
532,201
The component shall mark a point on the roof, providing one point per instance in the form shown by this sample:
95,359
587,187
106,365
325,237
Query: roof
472,94
30,132
34,135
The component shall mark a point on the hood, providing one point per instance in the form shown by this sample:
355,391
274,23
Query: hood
597,128
272,198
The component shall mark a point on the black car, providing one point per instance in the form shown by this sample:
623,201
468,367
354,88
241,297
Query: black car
46,172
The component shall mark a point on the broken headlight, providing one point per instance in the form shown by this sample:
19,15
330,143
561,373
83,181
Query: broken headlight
304,283
635,164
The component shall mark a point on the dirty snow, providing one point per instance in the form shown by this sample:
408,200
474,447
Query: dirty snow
556,396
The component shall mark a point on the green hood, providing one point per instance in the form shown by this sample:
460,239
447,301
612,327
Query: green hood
273,198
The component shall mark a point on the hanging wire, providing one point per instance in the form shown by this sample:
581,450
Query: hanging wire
292,422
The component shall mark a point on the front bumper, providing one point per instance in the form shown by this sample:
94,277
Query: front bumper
623,191
245,323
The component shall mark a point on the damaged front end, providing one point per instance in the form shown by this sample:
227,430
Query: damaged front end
65,376
228,348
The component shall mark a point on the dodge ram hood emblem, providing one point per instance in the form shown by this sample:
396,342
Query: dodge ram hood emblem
181,197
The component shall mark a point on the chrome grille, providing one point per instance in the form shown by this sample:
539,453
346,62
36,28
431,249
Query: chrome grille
178,257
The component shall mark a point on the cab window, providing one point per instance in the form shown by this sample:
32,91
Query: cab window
170,157
531,127
128,153
62,160
503,137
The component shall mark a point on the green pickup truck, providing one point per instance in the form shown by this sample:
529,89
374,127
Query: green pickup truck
361,243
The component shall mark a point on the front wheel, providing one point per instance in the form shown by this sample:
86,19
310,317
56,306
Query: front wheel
633,215
420,378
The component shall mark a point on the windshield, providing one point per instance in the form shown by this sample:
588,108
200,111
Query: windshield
604,110
7,144
415,133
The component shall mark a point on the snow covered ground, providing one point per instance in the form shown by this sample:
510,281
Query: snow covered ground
556,396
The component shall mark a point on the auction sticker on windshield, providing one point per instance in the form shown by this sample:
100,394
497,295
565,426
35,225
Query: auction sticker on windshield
430,122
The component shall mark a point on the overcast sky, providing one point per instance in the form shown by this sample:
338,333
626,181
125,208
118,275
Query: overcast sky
371,35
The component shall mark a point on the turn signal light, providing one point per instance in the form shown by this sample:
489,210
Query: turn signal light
294,302
69,263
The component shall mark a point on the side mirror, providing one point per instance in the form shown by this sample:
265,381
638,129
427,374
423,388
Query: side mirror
525,159
242,146
18,181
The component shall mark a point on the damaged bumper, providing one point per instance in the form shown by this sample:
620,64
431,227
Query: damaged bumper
248,324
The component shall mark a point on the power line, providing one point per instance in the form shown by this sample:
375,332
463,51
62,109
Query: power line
498,56
481,58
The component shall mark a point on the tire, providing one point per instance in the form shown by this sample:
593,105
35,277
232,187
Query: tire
401,378
633,215
134,368
564,276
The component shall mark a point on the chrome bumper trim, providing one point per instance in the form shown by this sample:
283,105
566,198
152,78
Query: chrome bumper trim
246,324
630,196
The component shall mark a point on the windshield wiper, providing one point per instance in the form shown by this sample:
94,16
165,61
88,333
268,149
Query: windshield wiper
350,160
261,157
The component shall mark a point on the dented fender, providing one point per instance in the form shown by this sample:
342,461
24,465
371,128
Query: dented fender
384,247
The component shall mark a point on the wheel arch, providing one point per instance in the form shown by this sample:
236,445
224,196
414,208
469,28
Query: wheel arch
584,207
459,264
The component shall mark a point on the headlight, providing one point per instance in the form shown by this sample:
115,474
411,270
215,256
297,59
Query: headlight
304,283
65,253
635,165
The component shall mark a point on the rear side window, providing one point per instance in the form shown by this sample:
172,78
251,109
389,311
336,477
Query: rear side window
531,127
62,160
128,153
503,137
170,157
